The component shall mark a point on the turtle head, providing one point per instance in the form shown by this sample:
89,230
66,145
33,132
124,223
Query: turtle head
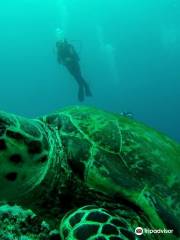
23,155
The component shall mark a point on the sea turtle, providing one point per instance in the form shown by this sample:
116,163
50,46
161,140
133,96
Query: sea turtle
100,175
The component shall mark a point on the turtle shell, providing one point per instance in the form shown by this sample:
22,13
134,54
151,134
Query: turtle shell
123,158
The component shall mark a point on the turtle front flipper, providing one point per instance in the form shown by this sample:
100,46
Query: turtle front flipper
94,223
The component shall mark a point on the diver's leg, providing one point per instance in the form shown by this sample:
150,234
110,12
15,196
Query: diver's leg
80,87
83,86
93,223
74,70
81,93
87,89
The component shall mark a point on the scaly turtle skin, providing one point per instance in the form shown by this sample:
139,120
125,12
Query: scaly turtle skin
101,174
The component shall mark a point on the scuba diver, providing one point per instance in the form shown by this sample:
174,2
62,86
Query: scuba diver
67,56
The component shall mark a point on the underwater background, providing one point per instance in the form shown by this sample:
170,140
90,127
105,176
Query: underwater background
129,52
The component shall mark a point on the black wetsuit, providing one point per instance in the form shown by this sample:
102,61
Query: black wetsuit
67,56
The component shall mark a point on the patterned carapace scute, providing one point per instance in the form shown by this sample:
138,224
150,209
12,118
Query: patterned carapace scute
100,175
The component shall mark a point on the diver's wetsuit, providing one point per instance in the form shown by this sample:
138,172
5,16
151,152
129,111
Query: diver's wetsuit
67,56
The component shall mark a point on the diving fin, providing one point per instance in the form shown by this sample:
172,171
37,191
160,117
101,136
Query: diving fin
87,90
81,94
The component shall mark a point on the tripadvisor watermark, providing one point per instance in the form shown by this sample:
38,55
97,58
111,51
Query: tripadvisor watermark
139,231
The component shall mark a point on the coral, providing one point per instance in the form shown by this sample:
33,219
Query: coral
19,224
